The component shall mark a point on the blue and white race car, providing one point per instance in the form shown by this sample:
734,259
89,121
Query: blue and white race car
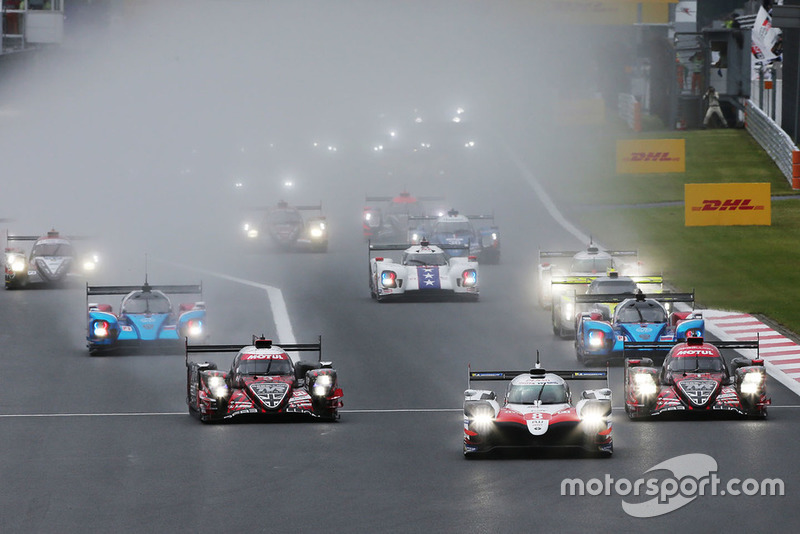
425,270
640,318
453,228
146,318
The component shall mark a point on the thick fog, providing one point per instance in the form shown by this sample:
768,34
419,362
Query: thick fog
176,117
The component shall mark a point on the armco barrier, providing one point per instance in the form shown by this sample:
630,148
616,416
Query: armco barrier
774,141
630,110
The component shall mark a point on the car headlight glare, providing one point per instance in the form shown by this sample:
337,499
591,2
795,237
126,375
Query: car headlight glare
569,311
194,328
18,265
100,329
596,339
752,383
482,420
470,278
316,232
389,279
645,384
218,386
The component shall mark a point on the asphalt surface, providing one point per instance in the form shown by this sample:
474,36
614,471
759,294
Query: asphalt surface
106,444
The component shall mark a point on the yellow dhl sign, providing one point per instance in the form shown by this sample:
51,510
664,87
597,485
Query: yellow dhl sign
728,204
651,155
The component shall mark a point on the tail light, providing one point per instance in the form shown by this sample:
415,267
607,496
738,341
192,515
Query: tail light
389,279
469,278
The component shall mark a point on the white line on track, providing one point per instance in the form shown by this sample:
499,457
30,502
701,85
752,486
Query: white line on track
172,414
283,326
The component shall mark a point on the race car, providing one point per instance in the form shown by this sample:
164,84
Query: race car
640,318
579,268
453,228
537,412
288,230
694,379
389,223
51,261
565,311
146,318
425,270
263,381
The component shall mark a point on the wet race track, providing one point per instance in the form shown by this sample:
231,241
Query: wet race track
105,444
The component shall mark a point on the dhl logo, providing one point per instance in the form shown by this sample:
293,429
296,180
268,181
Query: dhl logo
651,156
741,204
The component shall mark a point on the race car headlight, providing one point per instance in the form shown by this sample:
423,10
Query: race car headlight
596,338
482,420
569,310
194,328
322,385
494,236
218,386
593,420
415,237
368,216
470,278
252,233
100,328
645,384
317,231
752,383
90,264
17,264
389,279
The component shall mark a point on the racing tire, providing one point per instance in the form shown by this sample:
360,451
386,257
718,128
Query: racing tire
96,352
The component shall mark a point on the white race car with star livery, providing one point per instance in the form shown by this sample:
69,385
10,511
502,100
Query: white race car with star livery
425,270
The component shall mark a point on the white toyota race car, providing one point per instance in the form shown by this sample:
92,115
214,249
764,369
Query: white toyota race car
425,270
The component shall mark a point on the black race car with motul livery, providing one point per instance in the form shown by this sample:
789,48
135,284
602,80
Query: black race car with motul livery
263,382
694,379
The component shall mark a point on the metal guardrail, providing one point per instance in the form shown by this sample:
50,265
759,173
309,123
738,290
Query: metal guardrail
774,141
630,111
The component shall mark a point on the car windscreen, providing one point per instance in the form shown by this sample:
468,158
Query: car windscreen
405,208
285,217
454,227
703,364
146,302
436,258
529,394
265,367
52,249
641,312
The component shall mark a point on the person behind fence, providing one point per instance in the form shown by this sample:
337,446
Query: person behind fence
713,107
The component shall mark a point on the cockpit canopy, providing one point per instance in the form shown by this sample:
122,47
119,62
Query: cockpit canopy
530,393
264,364
699,364
146,302
424,258
52,247
286,216
641,311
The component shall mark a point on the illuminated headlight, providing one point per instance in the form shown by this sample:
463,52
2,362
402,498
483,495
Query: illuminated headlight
469,144
17,264
90,264
100,329
317,232
482,420
322,385
596,339
368,216
645,385
752,383
414,237
470,278
218,386
593,420
569,310
252,233
388,279
194,328
494,236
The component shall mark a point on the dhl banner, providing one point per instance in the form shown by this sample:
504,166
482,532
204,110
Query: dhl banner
641,156
728,204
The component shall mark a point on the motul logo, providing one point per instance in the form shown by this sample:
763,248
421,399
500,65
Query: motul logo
731,204
651,156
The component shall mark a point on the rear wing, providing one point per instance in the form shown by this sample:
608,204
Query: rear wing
124,290
390,198
398,246
318,207
666,345
288,347
619,297
571,253
510,375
